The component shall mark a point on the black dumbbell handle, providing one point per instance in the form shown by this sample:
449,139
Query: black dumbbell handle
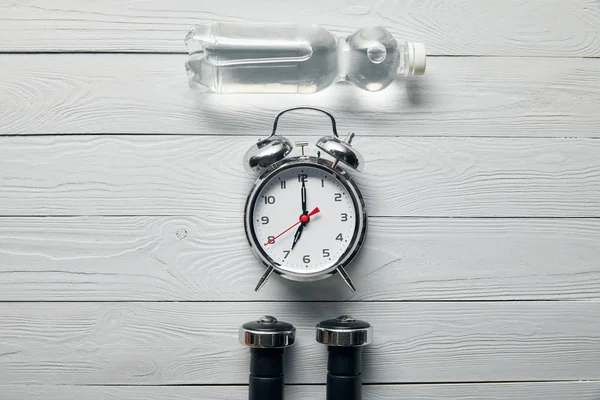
266,374
344,368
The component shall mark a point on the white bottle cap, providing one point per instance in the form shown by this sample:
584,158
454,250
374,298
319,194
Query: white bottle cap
416,60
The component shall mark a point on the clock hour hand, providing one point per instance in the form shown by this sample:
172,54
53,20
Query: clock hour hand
303,193
298,234
304,218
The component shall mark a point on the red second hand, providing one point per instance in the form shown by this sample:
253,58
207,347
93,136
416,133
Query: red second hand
310,214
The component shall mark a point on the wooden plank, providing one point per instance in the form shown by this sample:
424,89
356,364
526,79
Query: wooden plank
505,391
146,175
196,343
115,93
190,258
512,27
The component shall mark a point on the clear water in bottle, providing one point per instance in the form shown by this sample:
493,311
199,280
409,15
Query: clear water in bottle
288,58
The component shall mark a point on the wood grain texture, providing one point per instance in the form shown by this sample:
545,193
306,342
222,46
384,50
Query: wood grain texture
116,93
145,175
196,343
511,139
467,27
505,391
208,259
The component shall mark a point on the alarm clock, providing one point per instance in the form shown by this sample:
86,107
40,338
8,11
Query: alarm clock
305,217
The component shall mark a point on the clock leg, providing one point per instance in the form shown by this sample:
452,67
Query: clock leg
263,279
346,278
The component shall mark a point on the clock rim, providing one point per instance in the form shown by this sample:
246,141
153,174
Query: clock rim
360,231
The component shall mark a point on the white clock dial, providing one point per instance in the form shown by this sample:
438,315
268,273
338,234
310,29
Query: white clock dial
277,215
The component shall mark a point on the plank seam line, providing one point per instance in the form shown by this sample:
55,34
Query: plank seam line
316,384
519,217
240,136
374,217
432,301
180,53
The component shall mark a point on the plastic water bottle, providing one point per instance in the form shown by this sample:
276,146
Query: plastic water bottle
288,58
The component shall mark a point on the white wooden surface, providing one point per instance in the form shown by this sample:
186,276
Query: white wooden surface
161,175
563,28
149,93
124,271
196,343
182,258
505,391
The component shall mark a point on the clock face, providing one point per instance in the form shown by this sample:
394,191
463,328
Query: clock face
304,219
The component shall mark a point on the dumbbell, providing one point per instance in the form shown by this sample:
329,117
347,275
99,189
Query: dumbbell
345,337
267,339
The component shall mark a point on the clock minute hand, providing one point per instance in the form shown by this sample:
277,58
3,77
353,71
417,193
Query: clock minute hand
303,193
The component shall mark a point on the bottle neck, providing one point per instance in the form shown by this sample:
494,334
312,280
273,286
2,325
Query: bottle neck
343,52
403,55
